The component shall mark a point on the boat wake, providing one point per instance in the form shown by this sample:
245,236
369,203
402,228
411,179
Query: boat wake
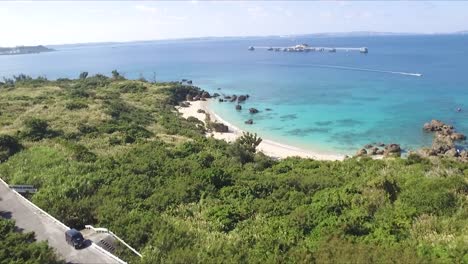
348,68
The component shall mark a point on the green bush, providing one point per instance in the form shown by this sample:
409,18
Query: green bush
74,105
8,147
37,129
16,247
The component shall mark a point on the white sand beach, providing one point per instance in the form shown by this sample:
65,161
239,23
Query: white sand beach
268,147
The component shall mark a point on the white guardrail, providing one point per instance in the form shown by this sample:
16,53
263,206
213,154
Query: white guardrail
105,230
60,223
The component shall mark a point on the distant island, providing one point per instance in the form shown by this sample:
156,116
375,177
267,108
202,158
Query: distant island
24,50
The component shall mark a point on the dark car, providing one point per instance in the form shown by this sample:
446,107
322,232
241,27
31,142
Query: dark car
74,238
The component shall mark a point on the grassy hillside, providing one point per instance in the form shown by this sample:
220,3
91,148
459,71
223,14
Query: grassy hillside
114,153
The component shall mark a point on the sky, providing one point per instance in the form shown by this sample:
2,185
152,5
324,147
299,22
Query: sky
64,22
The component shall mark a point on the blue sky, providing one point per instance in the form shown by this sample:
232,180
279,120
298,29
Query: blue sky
32,23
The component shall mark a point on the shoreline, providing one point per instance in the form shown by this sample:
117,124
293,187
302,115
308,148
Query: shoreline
268,147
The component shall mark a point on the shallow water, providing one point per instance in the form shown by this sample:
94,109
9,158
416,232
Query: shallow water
328,101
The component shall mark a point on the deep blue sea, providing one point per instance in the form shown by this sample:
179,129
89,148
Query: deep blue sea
325,101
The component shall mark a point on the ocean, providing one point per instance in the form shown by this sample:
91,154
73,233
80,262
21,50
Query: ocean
330,102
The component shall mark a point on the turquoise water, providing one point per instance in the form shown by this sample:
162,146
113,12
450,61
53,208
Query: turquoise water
326,101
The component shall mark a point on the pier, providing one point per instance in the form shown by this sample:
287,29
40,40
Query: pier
307,48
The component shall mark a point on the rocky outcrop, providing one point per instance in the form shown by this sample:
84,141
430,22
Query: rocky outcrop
373,151
361,152
189,97
184,104
201,111
205,94
392,150
220,100
379,149
233,98
253,110
215,95
219,127
436,125
443,144
267,109
249,122
238,107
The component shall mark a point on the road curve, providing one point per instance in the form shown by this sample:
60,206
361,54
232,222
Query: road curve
31,219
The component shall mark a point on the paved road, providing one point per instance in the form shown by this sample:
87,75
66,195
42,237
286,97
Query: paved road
30,219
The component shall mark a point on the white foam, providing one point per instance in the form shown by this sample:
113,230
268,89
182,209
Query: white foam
349,68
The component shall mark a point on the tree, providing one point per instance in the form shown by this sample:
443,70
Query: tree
249,141
83,75
116,75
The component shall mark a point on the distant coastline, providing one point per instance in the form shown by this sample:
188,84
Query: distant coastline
24,50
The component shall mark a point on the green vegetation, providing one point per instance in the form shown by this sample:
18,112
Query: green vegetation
130,163
16,247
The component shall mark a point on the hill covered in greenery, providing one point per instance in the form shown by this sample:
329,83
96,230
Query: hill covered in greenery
114,153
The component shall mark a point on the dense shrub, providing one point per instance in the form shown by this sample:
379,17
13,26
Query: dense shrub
36,129
131,87
8,147
16,247
75,105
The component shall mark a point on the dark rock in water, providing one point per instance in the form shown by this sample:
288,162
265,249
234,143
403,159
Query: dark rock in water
381,144
215,95
189,81
267,109
220,127
205,95
220,100
201,111
238,107
233,98
368,146
249,122
247,96
189,97
227,97
392,150
241,98
361,152
253,110
219,88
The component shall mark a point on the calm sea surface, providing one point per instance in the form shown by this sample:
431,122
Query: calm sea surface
325,101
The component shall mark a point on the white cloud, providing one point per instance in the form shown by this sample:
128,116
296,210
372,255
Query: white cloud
257,12
147,9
